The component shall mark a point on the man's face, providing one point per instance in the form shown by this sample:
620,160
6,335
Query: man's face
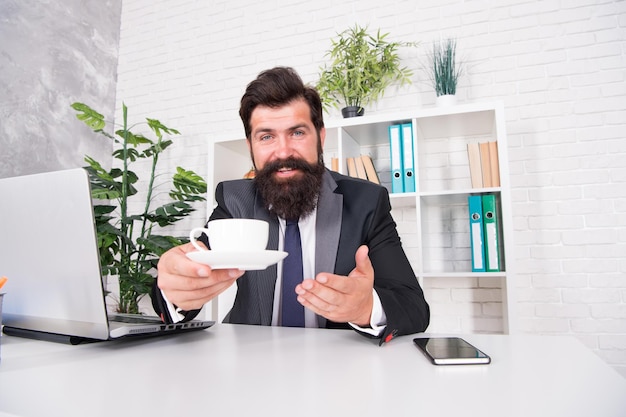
285,153
282,133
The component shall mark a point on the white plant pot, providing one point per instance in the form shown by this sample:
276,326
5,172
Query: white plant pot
446,100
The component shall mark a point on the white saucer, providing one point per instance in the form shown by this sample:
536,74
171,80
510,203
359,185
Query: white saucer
246,261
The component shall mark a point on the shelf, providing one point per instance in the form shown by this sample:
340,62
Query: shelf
444,275
434,218
455,197
474,119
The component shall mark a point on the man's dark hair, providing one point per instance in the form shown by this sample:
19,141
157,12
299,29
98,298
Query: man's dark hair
277,87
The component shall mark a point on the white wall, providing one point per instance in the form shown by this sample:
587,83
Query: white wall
558,66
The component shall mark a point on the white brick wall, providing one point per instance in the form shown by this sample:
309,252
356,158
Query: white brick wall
559,67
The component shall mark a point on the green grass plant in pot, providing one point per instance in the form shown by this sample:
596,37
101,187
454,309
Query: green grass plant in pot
129,243
362,66
444,71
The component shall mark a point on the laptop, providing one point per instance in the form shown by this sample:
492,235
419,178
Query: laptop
49,252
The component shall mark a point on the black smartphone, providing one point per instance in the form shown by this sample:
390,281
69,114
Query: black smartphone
451,351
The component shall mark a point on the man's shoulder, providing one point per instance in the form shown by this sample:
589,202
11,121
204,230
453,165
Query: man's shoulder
238,184
236,197
236,190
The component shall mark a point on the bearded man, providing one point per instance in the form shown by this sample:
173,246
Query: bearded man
354,271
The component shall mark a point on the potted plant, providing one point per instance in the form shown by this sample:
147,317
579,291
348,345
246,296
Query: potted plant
444,71
362,66
128,243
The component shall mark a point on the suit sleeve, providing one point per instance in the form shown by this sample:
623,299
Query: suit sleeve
400,294
161,305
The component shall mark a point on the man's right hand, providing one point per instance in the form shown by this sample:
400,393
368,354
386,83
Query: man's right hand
188,284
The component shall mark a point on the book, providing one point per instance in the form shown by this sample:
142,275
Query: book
334,164
372,175
476,232
494,164
360,168
485,164
351,167
491,233
473,154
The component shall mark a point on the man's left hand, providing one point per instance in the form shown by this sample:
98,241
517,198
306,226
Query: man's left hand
339,298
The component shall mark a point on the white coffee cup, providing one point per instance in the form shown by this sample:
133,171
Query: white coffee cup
233,235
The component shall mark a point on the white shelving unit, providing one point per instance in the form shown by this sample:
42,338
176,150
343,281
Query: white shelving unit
441,135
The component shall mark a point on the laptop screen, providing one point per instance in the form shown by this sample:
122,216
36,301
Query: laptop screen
48,250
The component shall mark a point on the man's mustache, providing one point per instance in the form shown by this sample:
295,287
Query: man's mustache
290,163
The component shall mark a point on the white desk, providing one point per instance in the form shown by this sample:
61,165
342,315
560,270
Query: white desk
233,370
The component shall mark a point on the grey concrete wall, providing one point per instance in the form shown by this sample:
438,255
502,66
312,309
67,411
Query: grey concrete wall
53,53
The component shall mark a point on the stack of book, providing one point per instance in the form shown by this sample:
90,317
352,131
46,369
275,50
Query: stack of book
360,166
483,164
484,224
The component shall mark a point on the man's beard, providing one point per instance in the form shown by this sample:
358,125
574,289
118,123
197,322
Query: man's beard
291,198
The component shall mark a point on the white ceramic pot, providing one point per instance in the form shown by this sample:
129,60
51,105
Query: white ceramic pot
446,100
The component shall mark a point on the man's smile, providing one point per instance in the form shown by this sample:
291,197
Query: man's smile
286,172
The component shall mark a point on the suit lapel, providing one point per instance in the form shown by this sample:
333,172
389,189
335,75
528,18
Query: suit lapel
327,229
266,279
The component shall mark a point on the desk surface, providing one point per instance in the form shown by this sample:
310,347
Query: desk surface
235,370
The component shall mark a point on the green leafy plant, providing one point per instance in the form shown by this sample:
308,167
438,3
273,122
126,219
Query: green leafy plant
128,243
362,66
444,70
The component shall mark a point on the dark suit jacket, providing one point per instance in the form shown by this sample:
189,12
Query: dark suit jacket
350,213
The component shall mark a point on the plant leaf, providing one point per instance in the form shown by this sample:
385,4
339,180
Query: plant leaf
157,127
188,186
159,244
89,116
170,213
131,138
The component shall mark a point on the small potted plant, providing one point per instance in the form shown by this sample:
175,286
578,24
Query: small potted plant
444,71
362,66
